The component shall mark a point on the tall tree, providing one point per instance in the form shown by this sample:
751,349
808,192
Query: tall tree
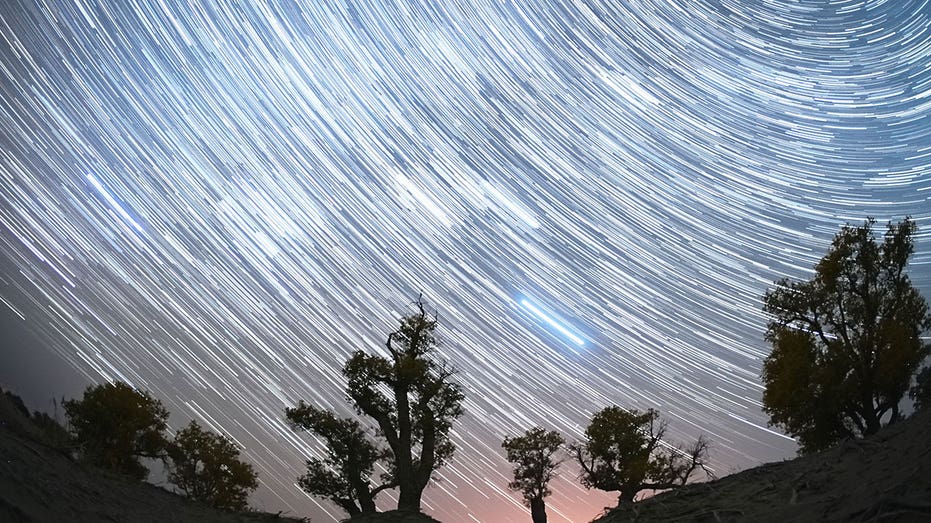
115,425
410,396
534,466
624,452
205,466
847,342
344,476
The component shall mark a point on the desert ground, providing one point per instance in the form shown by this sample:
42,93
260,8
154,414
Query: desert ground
880,479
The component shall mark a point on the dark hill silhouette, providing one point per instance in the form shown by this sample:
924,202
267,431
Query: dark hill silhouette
392,516
886,477
40,483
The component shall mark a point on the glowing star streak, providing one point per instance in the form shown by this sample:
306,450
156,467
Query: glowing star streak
553,323
113,203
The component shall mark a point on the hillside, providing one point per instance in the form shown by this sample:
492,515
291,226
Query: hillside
884,478
41,484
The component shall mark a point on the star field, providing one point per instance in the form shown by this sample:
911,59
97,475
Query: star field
220,203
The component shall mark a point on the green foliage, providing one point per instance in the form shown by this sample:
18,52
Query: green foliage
921,392
534,466
205,466
532,456
847,342
410,396
114,425
623,452
344,476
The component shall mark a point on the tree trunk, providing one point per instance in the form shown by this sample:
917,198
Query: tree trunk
538,510
367,503
626,498
408,491
871,423
409,498
348,505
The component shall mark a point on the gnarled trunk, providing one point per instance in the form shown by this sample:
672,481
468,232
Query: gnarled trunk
409,499
367,503
538,510
626,498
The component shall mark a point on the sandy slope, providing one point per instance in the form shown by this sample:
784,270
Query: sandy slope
883,478
393,516
41,484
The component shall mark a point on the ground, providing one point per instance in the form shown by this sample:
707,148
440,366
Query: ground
883,478
394,516
39,483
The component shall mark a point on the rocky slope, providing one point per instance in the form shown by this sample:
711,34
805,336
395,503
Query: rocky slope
883,478
39,483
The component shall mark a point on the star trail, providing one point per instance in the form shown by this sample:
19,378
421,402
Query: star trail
220,203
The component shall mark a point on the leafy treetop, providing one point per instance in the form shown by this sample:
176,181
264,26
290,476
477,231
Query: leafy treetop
534,466
623,452
847,342
411,397
206,467
344,476
532,455
115,425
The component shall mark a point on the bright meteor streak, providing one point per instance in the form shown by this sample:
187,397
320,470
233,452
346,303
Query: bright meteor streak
112,201
555,324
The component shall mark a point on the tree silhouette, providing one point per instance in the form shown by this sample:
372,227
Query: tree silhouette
344,476
205,466
921,391
410,396
114,425
623,452
847,342
534,467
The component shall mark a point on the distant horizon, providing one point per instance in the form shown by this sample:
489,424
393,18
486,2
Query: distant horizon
219,204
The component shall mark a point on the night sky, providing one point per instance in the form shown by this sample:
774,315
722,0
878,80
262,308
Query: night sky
219,204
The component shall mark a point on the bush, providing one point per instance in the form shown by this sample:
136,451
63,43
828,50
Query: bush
114,425
206,467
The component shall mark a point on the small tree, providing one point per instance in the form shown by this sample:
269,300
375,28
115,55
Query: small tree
921,391
410,396
623,452
115,425
205,466
534,467
846,343
344,476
